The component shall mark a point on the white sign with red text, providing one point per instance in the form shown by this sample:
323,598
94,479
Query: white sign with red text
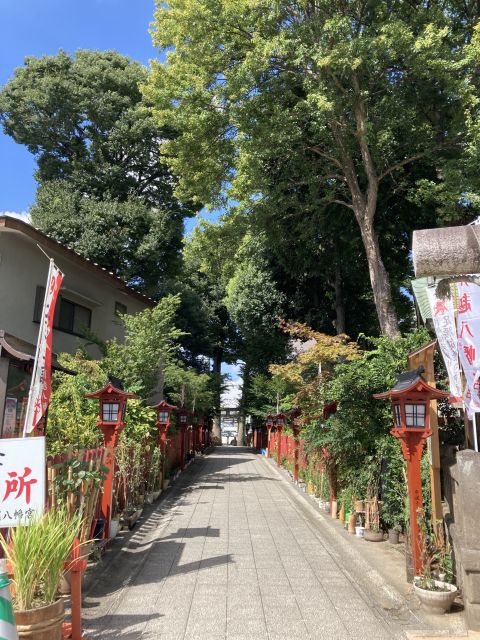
443,315
40,387
468,329
22,480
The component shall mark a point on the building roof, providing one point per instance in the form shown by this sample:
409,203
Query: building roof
24,351
48,243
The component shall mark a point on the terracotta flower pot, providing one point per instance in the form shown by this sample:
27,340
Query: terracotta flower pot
44,623
351,523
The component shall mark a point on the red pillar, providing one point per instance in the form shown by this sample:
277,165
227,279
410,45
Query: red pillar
412,448
269,440
183,429
296,432
110,440
279,445
199,436
163,434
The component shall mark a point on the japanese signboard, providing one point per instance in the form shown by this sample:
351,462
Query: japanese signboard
39,396
22,480
9,417
468,329
444,322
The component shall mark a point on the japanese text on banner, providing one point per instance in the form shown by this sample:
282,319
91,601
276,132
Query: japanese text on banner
468,330
40,388
444,322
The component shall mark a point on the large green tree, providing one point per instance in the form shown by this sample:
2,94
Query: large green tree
352,92
104,187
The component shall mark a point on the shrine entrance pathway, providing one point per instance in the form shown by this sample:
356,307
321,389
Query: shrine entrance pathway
231,553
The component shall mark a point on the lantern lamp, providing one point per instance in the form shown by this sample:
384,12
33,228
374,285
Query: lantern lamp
410,399
280,420
112,405
111,414
164,412
269,421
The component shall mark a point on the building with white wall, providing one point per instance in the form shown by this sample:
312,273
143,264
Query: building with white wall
90,298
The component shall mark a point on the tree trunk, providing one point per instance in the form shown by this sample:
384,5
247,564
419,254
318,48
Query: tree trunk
217,372
340,324
379,280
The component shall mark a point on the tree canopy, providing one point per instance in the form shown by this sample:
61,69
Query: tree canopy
104,188
343,97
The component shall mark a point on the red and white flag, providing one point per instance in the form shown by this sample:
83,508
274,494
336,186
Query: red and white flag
468,329
40,387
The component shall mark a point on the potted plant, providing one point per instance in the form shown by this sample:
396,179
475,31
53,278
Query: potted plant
36,555
374,533
435,595
76,486
394,534
154,476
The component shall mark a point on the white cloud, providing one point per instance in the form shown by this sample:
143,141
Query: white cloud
21,215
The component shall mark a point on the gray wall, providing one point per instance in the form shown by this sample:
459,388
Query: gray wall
23,267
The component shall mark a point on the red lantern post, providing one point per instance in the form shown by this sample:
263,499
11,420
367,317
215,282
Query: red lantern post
183,431
296,436
410,398
269,425
200,427
280,423
112,404
164,413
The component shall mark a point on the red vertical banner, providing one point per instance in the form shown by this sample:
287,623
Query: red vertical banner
41,384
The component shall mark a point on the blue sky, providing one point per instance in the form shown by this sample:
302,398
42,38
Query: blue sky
38,27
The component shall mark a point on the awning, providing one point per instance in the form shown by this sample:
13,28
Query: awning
24,351
419,287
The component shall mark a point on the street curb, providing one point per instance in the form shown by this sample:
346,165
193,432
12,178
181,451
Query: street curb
360,570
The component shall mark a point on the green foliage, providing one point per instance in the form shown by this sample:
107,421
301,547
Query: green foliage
189,388
37,555
353,431
150,345
138,243
73,473
140,422
305,110
71,417
104,187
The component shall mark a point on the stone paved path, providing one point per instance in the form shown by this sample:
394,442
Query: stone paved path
230,554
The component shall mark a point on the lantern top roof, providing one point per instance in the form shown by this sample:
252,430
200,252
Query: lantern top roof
163,404
110,389
409,381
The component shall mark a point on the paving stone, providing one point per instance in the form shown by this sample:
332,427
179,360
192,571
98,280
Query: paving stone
228,554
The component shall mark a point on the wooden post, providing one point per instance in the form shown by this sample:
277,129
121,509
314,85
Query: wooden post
424,356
